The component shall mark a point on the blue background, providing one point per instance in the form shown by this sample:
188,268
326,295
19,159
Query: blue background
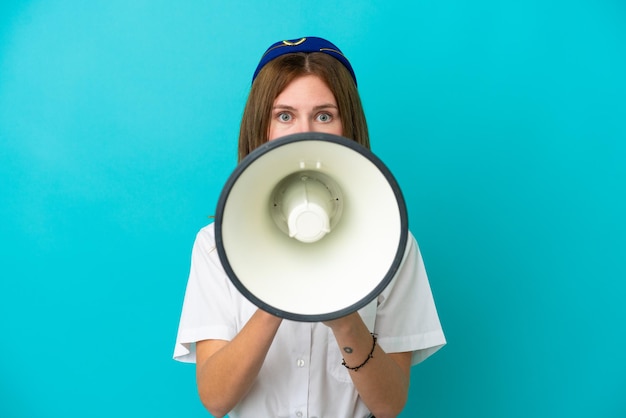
504,123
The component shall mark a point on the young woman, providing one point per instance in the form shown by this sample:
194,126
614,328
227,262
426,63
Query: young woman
250,363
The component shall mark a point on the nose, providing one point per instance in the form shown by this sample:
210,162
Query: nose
304,125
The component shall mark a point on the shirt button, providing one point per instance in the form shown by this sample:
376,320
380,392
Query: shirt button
300,363
299,414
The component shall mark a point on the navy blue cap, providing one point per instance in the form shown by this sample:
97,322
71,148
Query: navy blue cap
309,44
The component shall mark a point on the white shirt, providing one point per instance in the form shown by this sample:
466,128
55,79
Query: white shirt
302,376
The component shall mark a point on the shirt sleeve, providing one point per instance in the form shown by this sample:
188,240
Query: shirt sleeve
407,318
208,309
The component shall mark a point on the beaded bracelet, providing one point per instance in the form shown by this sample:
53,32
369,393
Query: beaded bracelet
369,356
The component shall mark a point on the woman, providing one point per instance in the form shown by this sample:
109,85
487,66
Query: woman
250,363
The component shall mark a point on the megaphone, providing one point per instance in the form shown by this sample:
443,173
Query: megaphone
311,227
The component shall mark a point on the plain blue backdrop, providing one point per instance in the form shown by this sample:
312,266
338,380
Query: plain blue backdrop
504,122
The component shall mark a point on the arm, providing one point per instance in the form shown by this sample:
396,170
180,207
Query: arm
382,383
225,370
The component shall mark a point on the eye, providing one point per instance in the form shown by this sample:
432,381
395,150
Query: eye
324,117
284,117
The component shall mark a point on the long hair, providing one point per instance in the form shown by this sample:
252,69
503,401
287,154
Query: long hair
276,76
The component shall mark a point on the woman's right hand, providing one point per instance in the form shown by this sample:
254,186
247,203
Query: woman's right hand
225,370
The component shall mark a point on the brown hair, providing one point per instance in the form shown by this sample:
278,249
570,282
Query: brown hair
277,74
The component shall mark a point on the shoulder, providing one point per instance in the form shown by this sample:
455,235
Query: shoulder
207,232
205,238
412,263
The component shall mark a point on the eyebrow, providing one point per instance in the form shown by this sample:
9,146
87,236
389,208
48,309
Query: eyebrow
318,107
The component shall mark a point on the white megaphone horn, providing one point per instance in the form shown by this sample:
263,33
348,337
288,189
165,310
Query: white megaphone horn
311,227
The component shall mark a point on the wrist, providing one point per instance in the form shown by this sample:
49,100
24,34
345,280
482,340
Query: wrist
267,317
367,359
345,325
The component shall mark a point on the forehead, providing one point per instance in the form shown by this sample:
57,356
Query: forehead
305,88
